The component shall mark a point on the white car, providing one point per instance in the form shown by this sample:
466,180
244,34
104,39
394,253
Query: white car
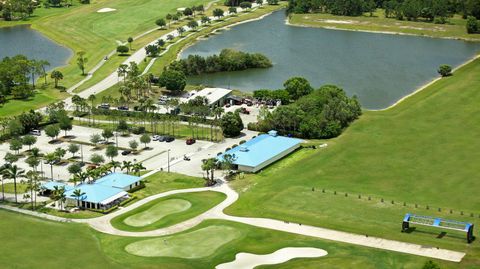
36,132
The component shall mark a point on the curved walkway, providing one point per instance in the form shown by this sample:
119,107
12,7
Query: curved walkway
103,224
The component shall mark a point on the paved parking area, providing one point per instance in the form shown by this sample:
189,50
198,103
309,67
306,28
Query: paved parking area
155,158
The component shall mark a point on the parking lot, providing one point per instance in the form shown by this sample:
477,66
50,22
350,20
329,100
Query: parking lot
157,157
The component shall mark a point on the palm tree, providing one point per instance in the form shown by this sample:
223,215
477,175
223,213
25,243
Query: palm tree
56,75
14,172
78,194
92,98
122,71
2,175
127,165
51,159
33,187
217,111
59,195
137,167
115,165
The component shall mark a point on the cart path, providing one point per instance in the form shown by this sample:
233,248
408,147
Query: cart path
102,224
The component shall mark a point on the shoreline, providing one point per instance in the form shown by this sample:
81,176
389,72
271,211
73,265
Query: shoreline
424,86
287,22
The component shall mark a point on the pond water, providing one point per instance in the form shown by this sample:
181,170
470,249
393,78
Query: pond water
24,40
379,68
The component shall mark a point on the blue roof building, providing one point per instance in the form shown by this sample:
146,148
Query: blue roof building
97,194
262,151
119,180
50,186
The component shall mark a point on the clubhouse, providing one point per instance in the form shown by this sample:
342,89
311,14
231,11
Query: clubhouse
261,151
104,193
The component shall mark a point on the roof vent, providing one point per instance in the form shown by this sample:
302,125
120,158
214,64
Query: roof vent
272,133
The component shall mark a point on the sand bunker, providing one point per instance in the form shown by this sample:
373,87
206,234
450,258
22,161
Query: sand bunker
250,261
105,10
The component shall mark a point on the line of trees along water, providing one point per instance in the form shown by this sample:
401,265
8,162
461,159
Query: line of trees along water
430,10
227,60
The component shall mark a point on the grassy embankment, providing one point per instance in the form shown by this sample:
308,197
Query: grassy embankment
421,152
455,28
82,28
167,211
35,243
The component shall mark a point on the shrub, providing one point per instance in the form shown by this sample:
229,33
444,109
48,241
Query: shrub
472,25
122,49
445,70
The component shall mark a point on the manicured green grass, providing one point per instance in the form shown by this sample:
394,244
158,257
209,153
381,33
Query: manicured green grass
42,98
34,243
167,211
420,152
378,23
163,182
229,238
29,242
9,188
197,244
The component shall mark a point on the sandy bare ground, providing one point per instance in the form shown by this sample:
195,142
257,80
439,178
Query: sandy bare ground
250,261
105,10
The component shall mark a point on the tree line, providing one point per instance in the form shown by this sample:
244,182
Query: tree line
312,113
430,10
227,60
11,10
15,76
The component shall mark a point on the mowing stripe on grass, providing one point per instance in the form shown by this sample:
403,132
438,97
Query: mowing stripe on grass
157,212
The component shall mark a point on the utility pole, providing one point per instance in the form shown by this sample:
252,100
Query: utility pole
168,161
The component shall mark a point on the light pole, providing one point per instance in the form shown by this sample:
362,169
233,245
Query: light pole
168,161
81,151
116,139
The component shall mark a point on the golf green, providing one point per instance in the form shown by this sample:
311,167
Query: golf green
167,211
157,212
193,245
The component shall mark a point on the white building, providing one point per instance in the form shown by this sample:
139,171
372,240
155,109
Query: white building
215,96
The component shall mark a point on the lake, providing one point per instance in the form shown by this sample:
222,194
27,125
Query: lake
24,40
379,68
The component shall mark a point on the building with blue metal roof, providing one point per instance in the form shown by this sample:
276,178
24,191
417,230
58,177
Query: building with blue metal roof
262,151
119,180
96,196
103,194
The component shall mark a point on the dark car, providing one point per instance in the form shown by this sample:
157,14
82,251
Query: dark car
169,139
126,152
190,141
122,108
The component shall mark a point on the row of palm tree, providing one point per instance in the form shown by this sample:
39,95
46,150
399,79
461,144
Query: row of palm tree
91,175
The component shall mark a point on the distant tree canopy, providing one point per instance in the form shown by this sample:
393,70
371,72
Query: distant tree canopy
322,113
227,60
430,10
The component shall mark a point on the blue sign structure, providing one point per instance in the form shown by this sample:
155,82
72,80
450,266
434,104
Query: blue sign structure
440,223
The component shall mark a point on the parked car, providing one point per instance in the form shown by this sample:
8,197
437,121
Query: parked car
125,108
186,158
190,141
104,106
36,132
169,139
162,138
244,111
126,152
155,137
